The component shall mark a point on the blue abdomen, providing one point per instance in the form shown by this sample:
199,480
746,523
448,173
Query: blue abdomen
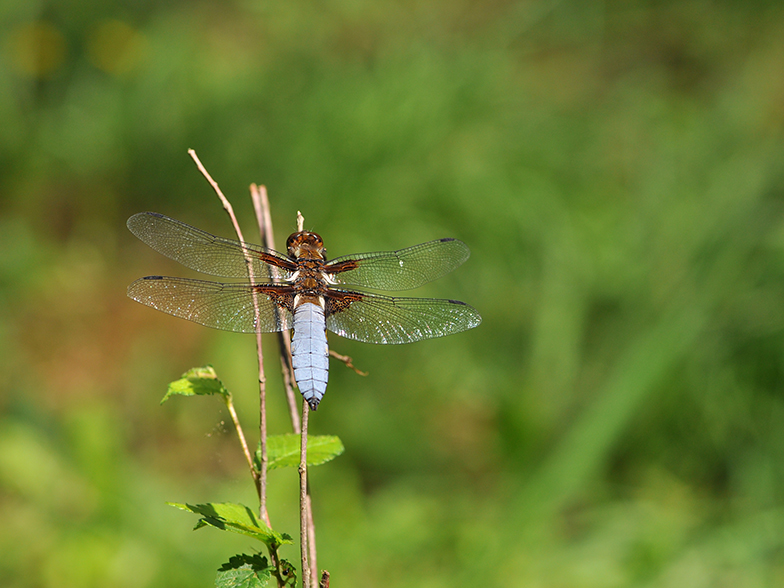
309,352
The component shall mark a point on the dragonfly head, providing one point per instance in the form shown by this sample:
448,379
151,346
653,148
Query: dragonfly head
306,245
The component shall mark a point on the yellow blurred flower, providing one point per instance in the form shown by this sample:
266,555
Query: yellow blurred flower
36,49
115,47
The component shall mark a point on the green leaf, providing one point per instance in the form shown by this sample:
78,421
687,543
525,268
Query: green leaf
198,381
244,571
237,518
283,450
288,573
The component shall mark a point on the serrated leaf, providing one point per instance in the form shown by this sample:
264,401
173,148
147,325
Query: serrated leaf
244,571
288,573
200,381
245,577
283,450
236,518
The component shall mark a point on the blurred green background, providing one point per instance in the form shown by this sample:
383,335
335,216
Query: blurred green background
616,169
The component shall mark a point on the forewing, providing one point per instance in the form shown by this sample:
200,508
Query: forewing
399,270
383,319
228,307
205,252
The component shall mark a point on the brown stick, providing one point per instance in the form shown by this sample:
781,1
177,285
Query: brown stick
260,488
307,526
303,498
264,220
348,361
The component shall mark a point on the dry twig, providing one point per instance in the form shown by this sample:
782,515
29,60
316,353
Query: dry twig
260,488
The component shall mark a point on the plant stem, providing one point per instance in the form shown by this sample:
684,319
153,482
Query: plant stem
348,361
264,220
238,427
261,478
303,497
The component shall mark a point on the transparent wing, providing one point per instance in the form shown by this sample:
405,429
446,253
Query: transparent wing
387,320
205,252
228,307
400,270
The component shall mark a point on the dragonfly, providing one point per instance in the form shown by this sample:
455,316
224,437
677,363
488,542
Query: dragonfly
303,291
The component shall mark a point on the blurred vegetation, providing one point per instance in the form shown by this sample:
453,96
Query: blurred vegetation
616,168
